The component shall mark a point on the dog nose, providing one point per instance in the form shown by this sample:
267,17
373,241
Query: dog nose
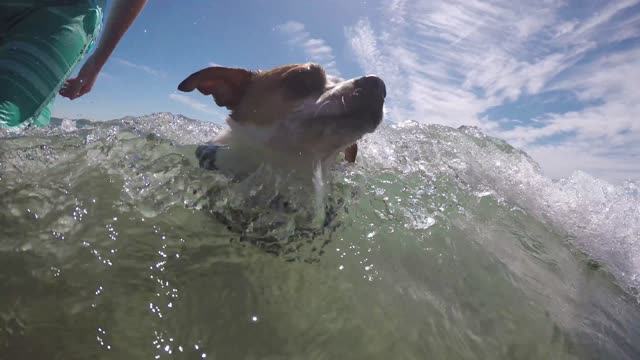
374,83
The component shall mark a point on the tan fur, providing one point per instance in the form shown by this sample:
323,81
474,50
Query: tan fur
265,96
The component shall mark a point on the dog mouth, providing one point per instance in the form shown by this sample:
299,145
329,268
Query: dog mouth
361,100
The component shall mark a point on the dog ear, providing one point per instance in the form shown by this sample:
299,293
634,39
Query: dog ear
351,152
226,85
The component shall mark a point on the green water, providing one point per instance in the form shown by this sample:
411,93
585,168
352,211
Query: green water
114,245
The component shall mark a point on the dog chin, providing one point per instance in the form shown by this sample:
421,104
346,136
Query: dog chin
239,160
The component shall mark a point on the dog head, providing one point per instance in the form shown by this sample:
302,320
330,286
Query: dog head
296,110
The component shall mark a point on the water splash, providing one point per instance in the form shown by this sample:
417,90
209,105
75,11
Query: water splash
439,241
602,219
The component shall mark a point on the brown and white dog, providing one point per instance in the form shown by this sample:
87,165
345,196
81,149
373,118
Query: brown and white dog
293,116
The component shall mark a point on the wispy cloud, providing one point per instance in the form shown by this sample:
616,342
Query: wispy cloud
449,62
603,138
147,69
197,105
105,75
316,50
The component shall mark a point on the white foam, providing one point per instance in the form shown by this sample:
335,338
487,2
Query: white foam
602,219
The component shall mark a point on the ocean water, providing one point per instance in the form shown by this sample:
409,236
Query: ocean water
440,243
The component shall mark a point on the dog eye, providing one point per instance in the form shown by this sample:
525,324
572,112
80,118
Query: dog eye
304,80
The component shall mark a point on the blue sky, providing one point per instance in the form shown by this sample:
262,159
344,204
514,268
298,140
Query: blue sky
558,79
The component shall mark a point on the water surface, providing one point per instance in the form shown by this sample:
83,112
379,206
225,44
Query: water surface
440,243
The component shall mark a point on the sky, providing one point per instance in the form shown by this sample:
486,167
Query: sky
557,79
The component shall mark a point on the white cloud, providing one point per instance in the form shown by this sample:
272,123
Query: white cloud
147,69
596,26
449,61
105,75
605,137
291,27
197,105
316,50
556,159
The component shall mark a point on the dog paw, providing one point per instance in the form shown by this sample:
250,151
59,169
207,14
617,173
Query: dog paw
206,155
